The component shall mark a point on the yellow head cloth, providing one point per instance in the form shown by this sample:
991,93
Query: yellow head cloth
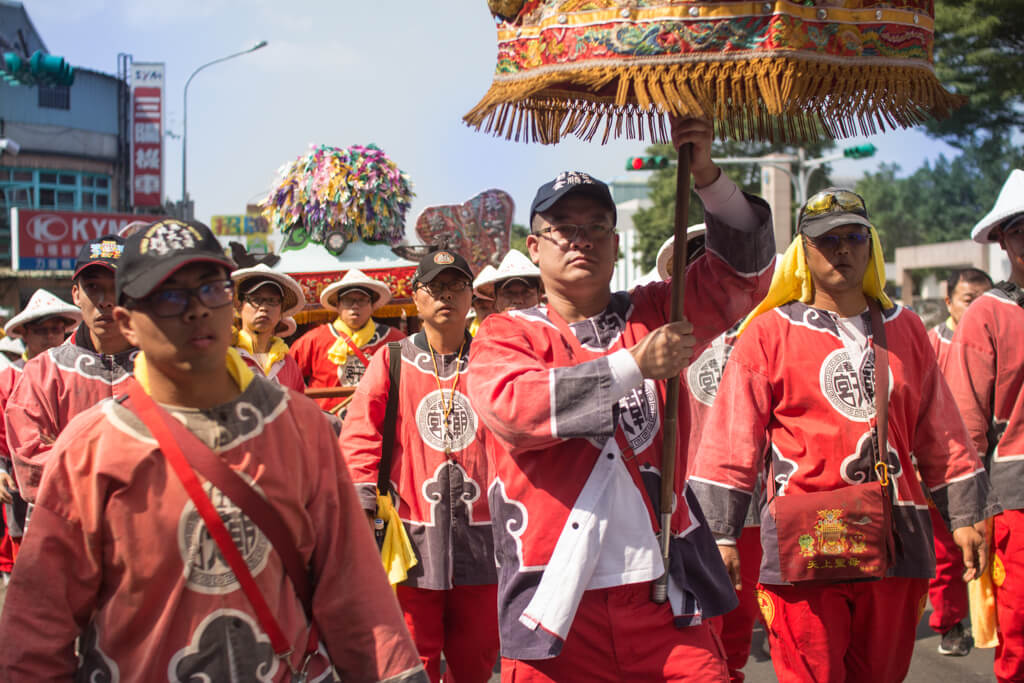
236,367
792,281
338,353
277,351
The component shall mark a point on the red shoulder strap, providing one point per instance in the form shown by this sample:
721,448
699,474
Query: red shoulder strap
170,434
352,345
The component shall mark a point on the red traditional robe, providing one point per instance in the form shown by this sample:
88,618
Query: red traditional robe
442,497
118,557
940,337
310,352
791,386
14,513
285,371
986,374
577,453
54,387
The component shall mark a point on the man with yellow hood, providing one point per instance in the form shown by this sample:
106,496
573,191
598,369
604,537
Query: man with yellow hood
797,403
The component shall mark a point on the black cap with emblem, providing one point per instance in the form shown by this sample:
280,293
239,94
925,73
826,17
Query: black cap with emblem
156,251
435,262
574,182
104,252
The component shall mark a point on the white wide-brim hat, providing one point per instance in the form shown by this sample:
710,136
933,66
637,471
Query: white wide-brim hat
665,252
483,276
12,345
291,291
515,266
286,327
1009,203
43,304
355,279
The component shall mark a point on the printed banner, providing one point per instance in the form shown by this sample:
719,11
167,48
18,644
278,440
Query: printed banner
147,133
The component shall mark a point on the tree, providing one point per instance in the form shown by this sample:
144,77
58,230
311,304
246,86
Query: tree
517,237
978,48
655,224
939,202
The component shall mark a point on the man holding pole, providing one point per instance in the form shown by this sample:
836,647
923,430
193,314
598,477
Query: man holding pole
572,396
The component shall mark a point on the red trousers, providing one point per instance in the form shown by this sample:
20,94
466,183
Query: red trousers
462,622
8,545
1008,577
620,635
947,591
736,627
845,631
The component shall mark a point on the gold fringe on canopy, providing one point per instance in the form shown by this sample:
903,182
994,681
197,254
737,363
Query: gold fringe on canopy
761,71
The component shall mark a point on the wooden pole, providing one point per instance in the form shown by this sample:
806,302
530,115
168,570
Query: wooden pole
670,427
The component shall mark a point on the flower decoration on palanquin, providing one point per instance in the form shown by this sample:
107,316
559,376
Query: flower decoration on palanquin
335,195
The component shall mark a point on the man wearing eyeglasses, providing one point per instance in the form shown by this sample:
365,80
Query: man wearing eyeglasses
800,386
439,473
986,372
42,324
571,394
264,297
336,354
95,363
118,558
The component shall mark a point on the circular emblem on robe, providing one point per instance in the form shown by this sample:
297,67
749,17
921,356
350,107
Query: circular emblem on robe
639,415
998,571
461,421
849,390
767,607
206,570
704,374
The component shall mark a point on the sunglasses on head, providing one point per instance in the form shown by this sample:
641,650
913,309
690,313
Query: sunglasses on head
833,201
832,242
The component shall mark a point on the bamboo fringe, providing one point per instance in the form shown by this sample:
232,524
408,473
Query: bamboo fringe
769,99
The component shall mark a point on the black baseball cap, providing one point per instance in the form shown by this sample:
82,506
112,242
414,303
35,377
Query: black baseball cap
156,251
433,263
568,182
102,251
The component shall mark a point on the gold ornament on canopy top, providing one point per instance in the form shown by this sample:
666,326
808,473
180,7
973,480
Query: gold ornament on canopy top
761,70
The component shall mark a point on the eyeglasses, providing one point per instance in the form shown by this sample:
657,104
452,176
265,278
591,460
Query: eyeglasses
263,301
354,301
829,201
437,289
168,303
832,242
567,233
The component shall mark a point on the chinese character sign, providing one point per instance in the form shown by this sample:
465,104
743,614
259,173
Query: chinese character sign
147,83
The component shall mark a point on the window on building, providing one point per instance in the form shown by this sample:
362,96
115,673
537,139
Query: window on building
54,96
60,190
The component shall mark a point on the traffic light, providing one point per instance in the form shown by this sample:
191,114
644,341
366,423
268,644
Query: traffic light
51,70
860,151
40,69
13,65
646,163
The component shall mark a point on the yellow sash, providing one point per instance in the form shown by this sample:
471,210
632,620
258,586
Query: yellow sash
237,368
339,351
277,351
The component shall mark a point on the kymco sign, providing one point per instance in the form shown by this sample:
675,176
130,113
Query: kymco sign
51,240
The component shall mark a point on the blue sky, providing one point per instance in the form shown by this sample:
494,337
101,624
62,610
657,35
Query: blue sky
399,74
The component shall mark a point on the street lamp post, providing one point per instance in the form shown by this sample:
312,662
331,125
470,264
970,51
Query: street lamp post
184,123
